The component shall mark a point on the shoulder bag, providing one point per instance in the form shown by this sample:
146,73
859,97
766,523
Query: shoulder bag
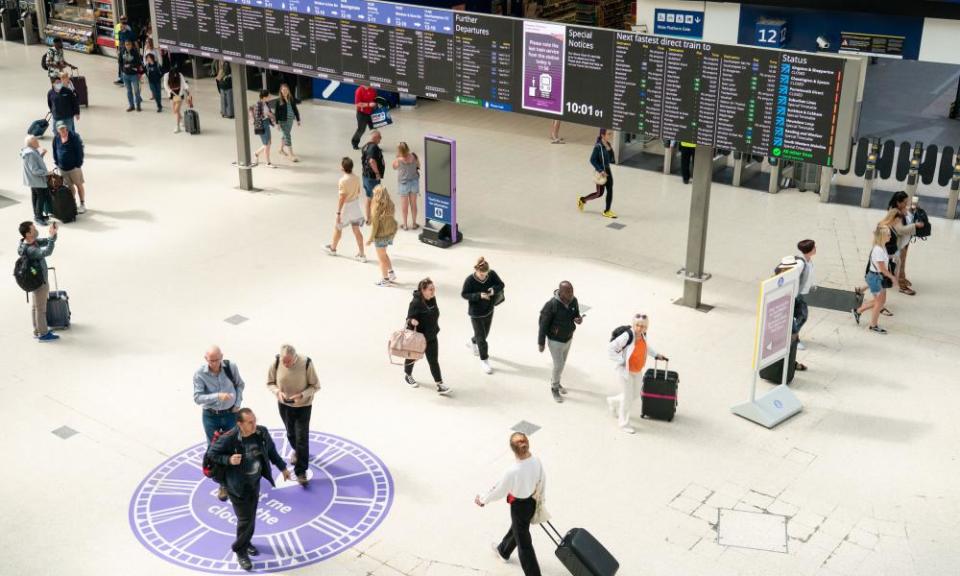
407,344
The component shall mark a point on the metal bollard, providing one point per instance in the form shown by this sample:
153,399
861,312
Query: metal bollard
913,179
868,180
954,192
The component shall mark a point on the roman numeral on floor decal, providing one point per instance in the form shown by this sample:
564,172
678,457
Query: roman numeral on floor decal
328,526
190,537
170,487
328,456
286,544
170,514
353,501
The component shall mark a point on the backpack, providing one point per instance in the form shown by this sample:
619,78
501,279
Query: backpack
43,61
920,215
620,330
28,274
211,469
891,244
276,364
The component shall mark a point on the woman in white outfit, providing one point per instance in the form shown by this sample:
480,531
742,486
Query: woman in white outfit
629,351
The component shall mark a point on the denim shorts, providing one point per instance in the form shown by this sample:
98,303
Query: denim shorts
383,242
875,282
409,187
265,137
368,185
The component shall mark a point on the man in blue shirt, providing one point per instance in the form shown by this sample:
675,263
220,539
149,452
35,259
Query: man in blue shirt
218,388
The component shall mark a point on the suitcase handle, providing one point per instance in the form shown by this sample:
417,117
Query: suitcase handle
559,537
666,366
56,285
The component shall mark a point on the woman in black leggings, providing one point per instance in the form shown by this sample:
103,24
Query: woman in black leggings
601,159
422,316
482,289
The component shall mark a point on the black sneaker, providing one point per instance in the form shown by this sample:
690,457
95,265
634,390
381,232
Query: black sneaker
410,380
302,480
556,395
878,330
252,550
856,315
244,561
442,390
562,389
130,109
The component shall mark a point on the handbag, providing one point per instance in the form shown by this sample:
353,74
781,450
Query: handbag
885,281
407,344
599,178
540,515
380,117
498,298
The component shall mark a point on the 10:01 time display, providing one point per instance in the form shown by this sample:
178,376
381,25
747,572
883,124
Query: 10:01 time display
584,109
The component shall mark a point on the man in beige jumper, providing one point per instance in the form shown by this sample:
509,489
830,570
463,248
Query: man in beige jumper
293,381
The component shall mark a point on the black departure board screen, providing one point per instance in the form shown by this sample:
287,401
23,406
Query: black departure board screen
753,100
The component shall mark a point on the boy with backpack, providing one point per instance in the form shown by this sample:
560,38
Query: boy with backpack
30,272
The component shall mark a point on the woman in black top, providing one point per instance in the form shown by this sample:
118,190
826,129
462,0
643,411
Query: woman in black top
286,112
422,316
601,159
482,289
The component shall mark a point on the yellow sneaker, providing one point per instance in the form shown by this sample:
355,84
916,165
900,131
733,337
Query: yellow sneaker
609,214
580,204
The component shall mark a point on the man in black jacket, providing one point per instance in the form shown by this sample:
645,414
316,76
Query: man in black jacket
246,453
559,318
63,102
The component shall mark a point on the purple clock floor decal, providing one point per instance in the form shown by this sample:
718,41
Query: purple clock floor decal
175,512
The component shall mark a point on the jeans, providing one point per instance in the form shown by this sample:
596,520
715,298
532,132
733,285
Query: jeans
518,537
155,90
226,103
432,353
213,422
245,507
481,329
39,309
599,192
68,121
558,352
132,83
363,122
297,422
40,199
369,184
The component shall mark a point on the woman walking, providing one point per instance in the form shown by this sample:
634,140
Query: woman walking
879,278
349,210
263,119
905,229
286,112
601,158
483,290
423,316
179,91
629,351
407,166
384,229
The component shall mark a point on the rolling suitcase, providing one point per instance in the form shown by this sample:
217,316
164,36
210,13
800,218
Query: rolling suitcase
39,127
581,553
774,372
659,393
191,121
80,86
64,204
58,306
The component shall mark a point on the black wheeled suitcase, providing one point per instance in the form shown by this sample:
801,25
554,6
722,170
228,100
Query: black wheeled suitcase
64,204
80,87
659,393
191,121
39,127
58,306
774,372
581,553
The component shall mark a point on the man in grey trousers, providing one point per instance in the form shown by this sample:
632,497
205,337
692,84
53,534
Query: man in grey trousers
559,318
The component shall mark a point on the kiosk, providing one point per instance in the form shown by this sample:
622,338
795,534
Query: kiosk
440,198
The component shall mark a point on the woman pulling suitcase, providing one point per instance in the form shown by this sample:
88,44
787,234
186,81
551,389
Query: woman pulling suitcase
629,349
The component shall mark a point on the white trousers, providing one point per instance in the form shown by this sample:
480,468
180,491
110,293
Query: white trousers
623,402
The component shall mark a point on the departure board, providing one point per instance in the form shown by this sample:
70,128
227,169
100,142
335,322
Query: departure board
753,100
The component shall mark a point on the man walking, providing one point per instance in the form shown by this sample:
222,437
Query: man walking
293,381
559,318
808,248
373,165
37,250
63,102
218,388
246,453
35,177
365,99
523,486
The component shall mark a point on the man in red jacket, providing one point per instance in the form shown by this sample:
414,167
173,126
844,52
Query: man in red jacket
365,99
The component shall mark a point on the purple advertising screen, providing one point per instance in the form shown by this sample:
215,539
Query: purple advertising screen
544,44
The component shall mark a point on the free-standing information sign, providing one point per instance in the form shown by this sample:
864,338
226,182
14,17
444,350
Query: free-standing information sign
440,201
774,331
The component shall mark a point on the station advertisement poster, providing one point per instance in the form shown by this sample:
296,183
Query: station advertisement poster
544,44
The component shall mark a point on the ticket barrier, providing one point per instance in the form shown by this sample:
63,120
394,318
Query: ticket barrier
954,192
28,22
10,26
869,179
627,145
745,167
671,156
781,172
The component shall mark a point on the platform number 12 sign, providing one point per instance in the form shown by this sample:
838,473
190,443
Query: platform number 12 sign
771,34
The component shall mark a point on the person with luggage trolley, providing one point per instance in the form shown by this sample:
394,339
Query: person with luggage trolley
523,485
629,349
36,250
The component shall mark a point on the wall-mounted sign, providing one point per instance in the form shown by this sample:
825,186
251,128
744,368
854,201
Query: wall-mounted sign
876,44
682,23
771,33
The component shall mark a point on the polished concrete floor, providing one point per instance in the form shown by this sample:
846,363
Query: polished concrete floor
862,478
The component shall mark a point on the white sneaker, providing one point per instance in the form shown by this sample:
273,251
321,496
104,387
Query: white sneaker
329,249
496,550
391,275
361,258
629,429
82,209
177,131
442,390
801,346
476,349
485,366
612,407
384,283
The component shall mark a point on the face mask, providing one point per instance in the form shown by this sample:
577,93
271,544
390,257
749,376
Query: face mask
57,86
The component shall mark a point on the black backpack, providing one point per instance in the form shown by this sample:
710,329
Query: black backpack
43,61
920,215
891,244
620,330
28,274
211,469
